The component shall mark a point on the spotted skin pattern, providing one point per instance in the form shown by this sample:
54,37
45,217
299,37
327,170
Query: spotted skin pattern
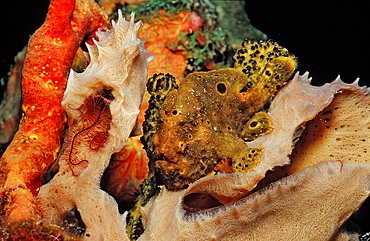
158,87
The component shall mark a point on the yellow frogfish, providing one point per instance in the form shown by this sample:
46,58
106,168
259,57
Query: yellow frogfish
208,120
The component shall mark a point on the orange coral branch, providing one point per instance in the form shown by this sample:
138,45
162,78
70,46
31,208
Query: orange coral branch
160,35
46,68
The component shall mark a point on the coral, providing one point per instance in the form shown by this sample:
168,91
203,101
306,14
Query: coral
146,9
178,34
332,127
308,167
32,230
239,25
103,104
309,204
185,33
126,171
316,216
49,57
198,212
158,36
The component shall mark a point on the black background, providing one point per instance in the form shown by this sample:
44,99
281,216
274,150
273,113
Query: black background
330,38
19,20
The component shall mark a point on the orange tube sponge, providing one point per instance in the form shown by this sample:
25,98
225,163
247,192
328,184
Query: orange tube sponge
49,58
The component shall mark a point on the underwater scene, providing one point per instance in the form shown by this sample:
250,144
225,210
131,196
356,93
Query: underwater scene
185,120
